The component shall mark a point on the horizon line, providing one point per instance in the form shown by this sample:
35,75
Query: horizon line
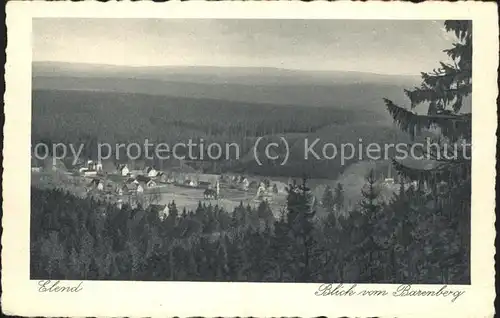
227,66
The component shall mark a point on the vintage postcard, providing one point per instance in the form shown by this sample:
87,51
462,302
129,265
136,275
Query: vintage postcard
250,159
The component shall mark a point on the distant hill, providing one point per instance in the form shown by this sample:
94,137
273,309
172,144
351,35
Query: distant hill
347,90
216,74
338,89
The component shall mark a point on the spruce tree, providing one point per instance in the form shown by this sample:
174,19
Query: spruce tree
443,91
338,198
300,221
172,210
370,209
275,189
265,213
280,248
328,200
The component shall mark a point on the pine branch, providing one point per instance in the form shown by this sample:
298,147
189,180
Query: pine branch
461,52
443,97
461,28
451,172
453,126
451,82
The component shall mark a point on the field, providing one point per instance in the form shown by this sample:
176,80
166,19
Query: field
229,198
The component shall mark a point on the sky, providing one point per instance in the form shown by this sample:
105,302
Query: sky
377,46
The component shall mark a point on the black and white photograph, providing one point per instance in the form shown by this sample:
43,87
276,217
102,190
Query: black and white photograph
263,159
251,150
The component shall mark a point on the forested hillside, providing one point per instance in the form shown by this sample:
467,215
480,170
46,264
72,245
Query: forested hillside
126,116
78,116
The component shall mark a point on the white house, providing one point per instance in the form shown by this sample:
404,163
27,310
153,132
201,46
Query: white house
123,170
139,188
150,172
147,184
244,184
151,184
97,184
119,191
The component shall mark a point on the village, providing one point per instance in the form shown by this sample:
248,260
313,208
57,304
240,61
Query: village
138,183
155,187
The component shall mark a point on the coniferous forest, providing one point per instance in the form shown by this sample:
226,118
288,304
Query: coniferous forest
422,235
404,241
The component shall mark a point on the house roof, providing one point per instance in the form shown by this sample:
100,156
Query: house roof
129,186
143,178
121,166
130,180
